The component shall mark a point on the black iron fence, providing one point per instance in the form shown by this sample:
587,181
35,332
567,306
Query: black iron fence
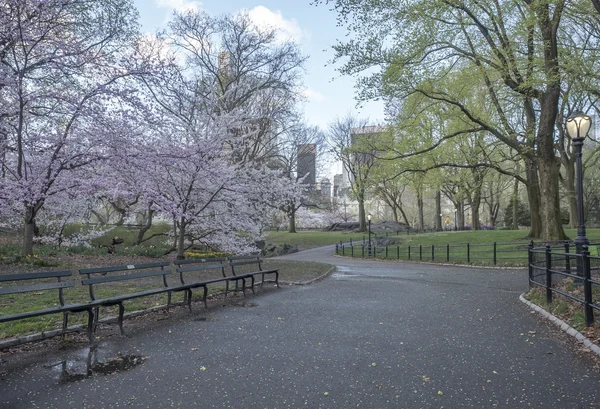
574,276
497,253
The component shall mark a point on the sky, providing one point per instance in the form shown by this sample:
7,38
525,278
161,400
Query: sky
328,94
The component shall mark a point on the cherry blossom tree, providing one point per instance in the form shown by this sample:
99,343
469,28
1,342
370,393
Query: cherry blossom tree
61,67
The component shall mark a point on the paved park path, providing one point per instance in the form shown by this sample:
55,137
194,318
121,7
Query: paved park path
372,335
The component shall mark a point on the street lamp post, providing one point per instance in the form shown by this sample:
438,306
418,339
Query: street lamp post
578,125
369,216
455,225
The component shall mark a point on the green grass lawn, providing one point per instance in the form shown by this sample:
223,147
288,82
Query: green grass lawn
311,238
474,247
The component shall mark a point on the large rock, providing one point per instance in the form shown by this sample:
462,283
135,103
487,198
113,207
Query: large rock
273,250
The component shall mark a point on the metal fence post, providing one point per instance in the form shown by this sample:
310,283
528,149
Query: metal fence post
351,241
363,251
352,251
433,252
548,274
420,252
343,252
398,252
363,239
530,263
386,251
336,249
409,251
568,258
468,253
587,287
448,252
495,258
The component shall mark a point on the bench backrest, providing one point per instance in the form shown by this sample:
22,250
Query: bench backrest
238,263
33,282
100,275
199,269
210,260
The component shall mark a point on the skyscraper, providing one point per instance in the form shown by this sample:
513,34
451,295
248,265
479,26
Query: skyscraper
307,163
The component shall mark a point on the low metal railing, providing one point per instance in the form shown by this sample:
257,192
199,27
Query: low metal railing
548,266
497,253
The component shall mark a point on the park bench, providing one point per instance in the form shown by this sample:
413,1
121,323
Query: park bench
208,265
40,282
254,263
118,274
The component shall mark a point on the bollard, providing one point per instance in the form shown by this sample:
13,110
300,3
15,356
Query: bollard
468,253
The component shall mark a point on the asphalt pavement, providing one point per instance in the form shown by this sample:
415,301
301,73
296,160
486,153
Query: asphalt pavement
372,335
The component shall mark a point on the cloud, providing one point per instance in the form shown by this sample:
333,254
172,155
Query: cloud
288,29
179,5
312,95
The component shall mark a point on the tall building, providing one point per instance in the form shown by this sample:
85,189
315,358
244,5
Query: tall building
325,187
307,163
337,184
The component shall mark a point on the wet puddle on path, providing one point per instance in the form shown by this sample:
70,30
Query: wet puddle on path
88,364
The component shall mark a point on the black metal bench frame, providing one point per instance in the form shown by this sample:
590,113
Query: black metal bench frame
238,261
134,273
59,285
188,286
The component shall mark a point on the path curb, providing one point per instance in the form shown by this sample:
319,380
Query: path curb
432,263
313,280
562,325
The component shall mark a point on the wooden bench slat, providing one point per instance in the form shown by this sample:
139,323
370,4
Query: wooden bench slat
199,260
125,277
128,267
35,287
243,257
33,276
243,263
202,267
120,298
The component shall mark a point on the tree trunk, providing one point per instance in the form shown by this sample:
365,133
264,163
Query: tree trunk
362,219
404,217
146,226
420,206
292,221
121,212
181,239
515,197
438,210
460,215
550,200
475,204
29,227
533,196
